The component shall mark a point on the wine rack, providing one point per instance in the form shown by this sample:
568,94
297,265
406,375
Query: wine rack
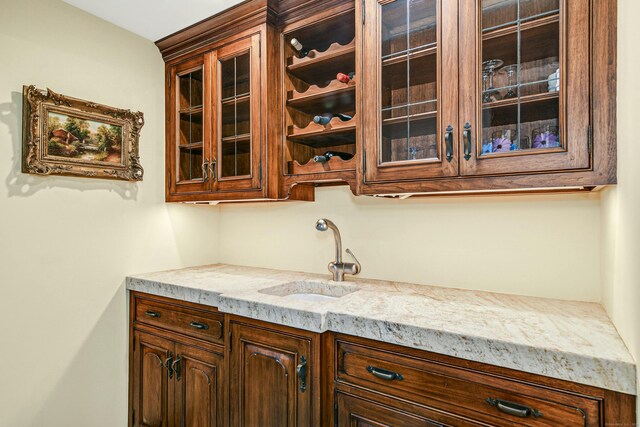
311,89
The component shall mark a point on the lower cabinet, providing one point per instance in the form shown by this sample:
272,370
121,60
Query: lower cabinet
191,366
271,380
175,384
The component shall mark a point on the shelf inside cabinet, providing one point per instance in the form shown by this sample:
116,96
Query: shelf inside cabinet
335,164
540,34
192,146
426,51
413,117
236,99
315,131
192,110
337,58
335,97
314,92
524,100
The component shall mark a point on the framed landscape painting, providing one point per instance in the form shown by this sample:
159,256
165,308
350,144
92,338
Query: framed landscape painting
69,136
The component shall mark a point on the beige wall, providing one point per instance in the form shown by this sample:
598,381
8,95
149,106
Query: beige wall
66,244
621,205
531,245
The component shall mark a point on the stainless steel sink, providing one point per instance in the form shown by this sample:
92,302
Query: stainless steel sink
308,290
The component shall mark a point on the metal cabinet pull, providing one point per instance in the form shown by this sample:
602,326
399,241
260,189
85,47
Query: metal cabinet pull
383,374
448,139
152,313
176,367
214,169
168,364
466,137
205,170
514,409
199,325
301,370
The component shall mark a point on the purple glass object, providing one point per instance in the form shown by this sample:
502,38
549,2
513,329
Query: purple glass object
546,137
501,144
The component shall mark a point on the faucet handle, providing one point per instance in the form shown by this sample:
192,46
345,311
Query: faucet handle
358,267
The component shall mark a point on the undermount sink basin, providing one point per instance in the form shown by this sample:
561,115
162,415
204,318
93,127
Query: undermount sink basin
306,290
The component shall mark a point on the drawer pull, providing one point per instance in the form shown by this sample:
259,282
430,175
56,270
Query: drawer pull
199,325
152,313
383,374
514,409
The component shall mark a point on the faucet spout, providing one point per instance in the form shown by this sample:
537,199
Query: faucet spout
338,268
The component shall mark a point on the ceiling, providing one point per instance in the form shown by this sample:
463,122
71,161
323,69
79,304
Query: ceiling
153,19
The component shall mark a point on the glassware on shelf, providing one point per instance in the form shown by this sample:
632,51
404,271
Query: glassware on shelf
554,81
545,137
489,69
511,71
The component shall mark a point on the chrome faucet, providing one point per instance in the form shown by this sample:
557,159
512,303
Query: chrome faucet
338,268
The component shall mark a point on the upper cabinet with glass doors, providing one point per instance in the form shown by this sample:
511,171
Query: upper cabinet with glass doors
214,133
487,94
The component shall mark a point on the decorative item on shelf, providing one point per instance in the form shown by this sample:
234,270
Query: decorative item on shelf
345,78
512,72
545,137
489,69
414,153
502,141
330,154
324,120
554,81
301,51
525,143
68,136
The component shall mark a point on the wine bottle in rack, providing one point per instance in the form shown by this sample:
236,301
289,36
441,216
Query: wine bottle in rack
329,154
326,119
301,51
345,78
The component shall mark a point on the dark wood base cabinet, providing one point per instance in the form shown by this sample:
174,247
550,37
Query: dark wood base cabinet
191,366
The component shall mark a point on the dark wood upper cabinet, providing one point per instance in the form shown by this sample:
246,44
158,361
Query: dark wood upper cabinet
215,132
272,383
445,96
410,69
487,95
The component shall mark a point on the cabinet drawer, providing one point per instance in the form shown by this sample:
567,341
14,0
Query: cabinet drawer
185,320
483,397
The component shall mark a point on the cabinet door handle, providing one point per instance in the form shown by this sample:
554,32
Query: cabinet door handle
168,364
205,170
514,409
199,325
152,313
466,136
176,367
448,139
214,169
383,374
301,370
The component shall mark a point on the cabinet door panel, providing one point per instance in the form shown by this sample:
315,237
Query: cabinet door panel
199,388
524,70
410,89
238,130
152,387
266,391
188,134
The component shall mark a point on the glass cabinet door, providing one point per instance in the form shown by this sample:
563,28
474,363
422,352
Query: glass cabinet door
189,150
238,135
410,88
530,80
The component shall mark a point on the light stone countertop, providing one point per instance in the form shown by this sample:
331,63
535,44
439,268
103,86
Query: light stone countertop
567,340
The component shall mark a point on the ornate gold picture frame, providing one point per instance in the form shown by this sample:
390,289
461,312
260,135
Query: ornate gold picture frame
68,136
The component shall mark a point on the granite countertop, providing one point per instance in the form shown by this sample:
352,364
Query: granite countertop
567,340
